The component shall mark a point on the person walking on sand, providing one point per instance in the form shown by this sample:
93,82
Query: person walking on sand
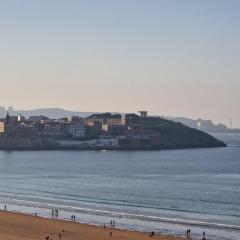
204,234
151,234
5,207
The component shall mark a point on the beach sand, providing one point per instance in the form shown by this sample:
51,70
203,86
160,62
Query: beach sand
18,226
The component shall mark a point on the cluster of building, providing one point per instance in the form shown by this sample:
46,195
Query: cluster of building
74,126
98,130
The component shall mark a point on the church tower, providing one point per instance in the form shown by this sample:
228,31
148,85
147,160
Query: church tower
8,118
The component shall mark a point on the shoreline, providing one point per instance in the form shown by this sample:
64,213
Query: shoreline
22,226
72,148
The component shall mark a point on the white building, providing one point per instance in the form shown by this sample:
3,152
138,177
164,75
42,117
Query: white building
77,130
20,118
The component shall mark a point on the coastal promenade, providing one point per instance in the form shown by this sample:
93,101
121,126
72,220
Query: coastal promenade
19,226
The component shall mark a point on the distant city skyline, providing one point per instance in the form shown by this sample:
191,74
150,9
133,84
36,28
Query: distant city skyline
172,58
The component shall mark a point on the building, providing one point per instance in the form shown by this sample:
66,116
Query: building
114,125
116,121
2,128
74,119
20,118
143,113
8,118
10,124
93,127
54,129
77,130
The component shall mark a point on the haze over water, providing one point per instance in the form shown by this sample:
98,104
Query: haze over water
152,190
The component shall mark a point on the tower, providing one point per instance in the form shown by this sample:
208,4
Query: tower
8,118
143,113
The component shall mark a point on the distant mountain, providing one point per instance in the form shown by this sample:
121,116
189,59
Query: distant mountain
204,125
53,113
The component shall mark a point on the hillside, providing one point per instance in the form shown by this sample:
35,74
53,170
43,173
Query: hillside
171,134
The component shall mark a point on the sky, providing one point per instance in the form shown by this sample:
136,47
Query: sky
170,57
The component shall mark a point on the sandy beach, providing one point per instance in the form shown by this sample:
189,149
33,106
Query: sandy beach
18,226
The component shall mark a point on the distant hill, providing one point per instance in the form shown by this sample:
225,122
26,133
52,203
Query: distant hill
204,125
53,113
169,134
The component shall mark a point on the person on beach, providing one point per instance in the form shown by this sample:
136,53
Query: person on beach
110,233
74,218
52,213
60,236
5,207
152,234
204,234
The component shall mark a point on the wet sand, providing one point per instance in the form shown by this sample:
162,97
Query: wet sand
19,226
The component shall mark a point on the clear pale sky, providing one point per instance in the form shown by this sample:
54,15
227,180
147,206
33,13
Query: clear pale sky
178,58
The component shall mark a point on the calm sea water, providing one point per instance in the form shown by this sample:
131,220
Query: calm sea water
164,191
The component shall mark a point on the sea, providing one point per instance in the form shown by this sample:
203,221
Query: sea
166,191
